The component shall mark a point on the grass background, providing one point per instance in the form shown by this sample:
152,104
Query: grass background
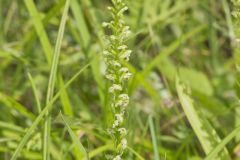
184,92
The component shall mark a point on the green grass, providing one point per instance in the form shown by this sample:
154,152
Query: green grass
184,91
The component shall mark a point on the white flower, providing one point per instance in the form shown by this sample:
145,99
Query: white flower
126,76
121,21
110,131
124,143
110,77
124,70
112,37
115,63
106,53
126,32
126,55
119,118
123,100
115,53
122,10
117,158
122,131
123,97
126,28
115,87
105,24
115,124
110,8
122,47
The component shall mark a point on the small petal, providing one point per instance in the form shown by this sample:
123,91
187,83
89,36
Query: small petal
123,100
122,131
124,143
115,87
126,55
105,24
126,76
119,118
122,47
110,77
117,158
124,70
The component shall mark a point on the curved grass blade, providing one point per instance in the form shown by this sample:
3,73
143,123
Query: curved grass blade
12,103
10,126
36,19
52,80
154,139
82,152
35,92
38,24
135,153
99,150
170,49
81,23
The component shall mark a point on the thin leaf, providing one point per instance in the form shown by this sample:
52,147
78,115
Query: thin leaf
170,49
35,92
135,153
52,80
13,104
81,24
75,139
38,24
154,139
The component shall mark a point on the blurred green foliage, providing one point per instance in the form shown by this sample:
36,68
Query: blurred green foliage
197,40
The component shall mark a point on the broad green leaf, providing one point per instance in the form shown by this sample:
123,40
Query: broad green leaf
197,80
206,134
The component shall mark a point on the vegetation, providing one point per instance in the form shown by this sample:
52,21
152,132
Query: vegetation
69,88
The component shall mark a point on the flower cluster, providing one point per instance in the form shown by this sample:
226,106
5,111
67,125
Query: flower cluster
115,54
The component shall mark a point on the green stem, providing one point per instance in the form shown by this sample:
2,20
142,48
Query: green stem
51,84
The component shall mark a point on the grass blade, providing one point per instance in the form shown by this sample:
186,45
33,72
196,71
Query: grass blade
75,140
67,108
81,24
170,49
99,150
10,126
154,139
52,80
36,18
135,153
12,103
35,92
42,114
38,24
